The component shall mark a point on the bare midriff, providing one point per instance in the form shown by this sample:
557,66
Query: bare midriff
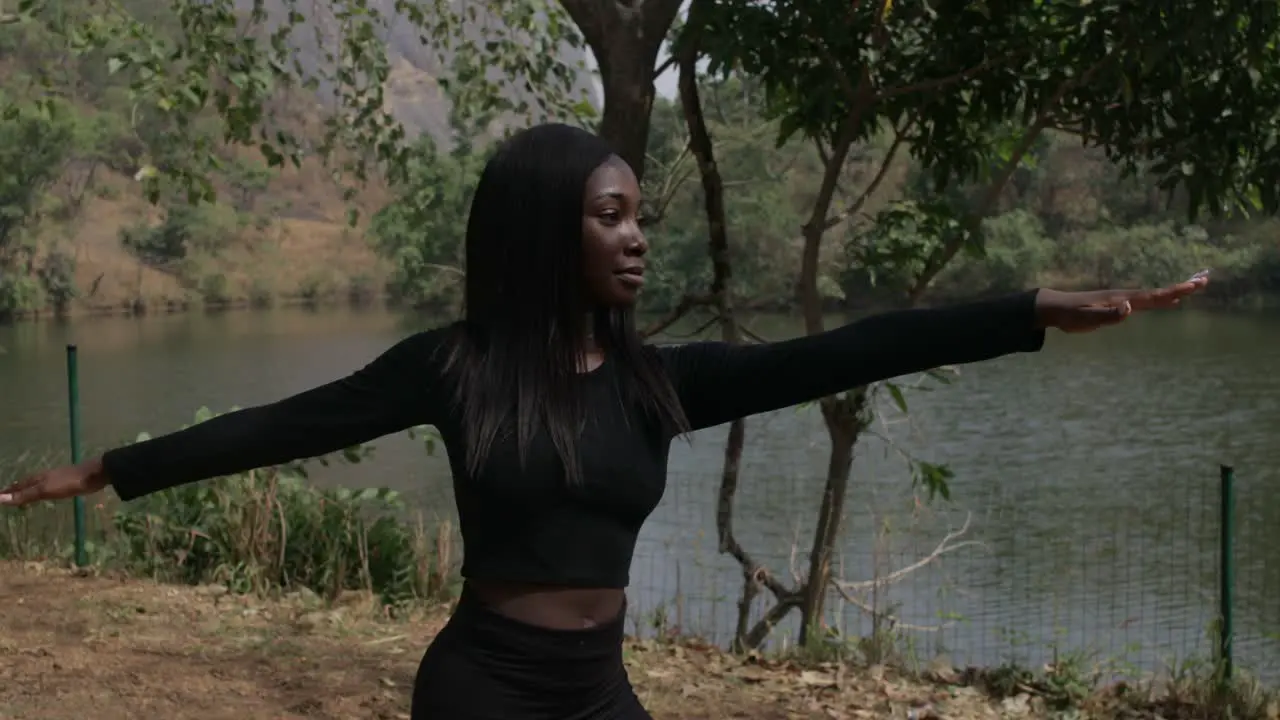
555,608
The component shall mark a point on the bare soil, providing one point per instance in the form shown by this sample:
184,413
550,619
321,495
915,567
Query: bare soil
74,645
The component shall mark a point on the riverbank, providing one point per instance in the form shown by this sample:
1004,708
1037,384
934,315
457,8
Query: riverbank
260,596
120,648
102,644
365,291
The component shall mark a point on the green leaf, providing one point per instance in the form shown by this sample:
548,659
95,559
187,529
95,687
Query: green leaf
898,398
935,479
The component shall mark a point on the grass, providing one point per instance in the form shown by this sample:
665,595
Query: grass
260,596
266,533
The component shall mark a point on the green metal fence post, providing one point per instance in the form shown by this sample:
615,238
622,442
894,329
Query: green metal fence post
73,403
1227,568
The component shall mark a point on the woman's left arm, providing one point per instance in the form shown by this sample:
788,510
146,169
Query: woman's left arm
718,382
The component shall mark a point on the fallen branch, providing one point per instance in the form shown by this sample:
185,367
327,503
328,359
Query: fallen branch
851,591
947,545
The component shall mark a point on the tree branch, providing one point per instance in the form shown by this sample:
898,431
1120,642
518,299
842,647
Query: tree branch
939,83
665,66
949,544
700,144
712,183
1045,117
849,591
885,164
675,178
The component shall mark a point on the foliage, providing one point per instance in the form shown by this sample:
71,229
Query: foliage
207,62
763,198
116,121
57,278
969,91
33,147
273,530
1189,94
1015,250
185,228
170,94
422,231
1148,255
18,294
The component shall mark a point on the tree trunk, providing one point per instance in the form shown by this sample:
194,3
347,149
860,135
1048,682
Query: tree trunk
754,575
625,37
845,421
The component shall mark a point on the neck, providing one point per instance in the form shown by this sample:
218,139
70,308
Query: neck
589,334
591,354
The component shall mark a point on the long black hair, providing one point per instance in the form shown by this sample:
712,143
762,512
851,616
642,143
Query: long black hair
517,358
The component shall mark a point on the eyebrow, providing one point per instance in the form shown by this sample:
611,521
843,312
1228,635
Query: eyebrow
611,194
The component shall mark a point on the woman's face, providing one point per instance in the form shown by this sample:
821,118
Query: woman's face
613,247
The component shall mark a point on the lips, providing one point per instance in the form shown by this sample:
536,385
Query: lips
632,276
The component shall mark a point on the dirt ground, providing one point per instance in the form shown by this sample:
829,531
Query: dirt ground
103,647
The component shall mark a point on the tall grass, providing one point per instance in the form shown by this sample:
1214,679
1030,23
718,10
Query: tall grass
266,531
269,530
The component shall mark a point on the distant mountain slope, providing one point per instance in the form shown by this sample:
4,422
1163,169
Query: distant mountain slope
414,96
294,242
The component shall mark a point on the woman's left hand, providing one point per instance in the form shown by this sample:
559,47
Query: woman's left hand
1077,312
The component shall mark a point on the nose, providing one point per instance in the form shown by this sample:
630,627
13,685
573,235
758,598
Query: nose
637,245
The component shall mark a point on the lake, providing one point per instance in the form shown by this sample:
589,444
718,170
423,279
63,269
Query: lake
1088,475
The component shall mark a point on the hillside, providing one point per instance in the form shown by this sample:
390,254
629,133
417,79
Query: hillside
273,236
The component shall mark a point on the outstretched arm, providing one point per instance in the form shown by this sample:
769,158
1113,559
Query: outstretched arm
717,382
396,391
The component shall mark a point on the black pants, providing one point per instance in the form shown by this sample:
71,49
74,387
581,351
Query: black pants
484,666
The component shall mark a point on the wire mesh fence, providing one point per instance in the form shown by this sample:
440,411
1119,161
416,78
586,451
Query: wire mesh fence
1022,572
1025,574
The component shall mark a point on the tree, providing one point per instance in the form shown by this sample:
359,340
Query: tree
33,150
214,62
423,230
626,36
503,56
968,89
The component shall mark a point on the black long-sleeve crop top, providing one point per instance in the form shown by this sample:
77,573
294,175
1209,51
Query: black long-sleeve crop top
529,525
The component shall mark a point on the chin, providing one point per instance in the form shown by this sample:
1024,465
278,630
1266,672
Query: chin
620,298
622,301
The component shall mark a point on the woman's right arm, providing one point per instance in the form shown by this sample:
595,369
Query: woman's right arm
398,390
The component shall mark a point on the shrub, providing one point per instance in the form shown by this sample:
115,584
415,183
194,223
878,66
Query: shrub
271,530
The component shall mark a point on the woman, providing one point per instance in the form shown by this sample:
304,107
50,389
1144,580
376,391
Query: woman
557,420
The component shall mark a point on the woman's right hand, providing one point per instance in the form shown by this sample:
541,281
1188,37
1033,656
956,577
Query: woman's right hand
56,484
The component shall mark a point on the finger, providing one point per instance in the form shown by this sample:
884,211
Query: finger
1164,297
1097,315
25,482
23,492
1184,289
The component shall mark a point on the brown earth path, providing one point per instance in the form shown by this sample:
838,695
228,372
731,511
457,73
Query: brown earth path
103,647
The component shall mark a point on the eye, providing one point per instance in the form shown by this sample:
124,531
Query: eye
610,216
